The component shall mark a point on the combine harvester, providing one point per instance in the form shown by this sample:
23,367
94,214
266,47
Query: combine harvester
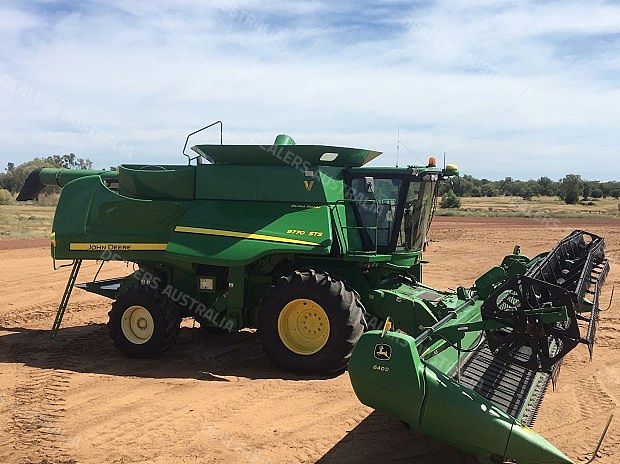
313,249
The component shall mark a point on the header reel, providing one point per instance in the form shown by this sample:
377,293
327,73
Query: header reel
539,312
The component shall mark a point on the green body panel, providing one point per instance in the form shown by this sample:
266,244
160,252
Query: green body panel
89,213
157,182
431,402
267,222
257,183
401,382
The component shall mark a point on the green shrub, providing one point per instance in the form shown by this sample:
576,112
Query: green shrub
527,194
488,190
450,200
5,197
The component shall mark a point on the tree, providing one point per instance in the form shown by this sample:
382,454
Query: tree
450,200
518,188
506,186
587,190
488,190
527,193
545,187
14,179
463,186
597,193
15,176
475,191
571,186
71,161
616,194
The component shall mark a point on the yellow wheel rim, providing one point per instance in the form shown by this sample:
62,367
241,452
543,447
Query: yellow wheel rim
137,325
303,326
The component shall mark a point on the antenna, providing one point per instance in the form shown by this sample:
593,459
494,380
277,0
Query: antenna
444,160
411,151
397,145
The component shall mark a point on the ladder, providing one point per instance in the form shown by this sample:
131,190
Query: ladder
75,269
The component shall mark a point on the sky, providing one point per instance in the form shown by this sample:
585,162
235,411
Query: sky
505,88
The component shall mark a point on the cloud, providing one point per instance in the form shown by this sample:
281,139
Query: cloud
506,88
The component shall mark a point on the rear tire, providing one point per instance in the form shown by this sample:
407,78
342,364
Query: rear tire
309,322
143,324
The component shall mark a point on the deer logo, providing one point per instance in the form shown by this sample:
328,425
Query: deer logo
383,352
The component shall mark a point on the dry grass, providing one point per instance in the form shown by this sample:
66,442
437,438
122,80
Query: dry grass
25,221
537,207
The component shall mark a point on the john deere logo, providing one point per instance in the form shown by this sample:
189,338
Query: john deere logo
308,184
383,352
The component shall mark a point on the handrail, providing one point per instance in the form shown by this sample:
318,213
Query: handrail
189,159
374,228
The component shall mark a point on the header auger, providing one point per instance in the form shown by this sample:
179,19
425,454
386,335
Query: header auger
316,249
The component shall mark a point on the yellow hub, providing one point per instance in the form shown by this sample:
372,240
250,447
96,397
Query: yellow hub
303,326
137,325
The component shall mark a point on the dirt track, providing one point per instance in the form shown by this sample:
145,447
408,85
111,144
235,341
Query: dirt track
216,399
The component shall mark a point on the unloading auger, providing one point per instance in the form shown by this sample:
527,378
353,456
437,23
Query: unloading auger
476,378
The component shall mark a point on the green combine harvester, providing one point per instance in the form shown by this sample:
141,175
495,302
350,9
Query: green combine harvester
319,253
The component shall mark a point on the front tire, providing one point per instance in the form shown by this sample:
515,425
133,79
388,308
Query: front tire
143,324
309,322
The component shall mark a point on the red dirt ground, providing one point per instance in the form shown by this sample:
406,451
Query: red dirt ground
217,399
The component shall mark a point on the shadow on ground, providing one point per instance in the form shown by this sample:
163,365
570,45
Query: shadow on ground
89,349
213,357
380,438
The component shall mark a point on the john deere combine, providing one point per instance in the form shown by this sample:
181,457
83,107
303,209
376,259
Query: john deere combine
312,248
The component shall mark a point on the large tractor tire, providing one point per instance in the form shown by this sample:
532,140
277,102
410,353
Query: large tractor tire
309,323
143,324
